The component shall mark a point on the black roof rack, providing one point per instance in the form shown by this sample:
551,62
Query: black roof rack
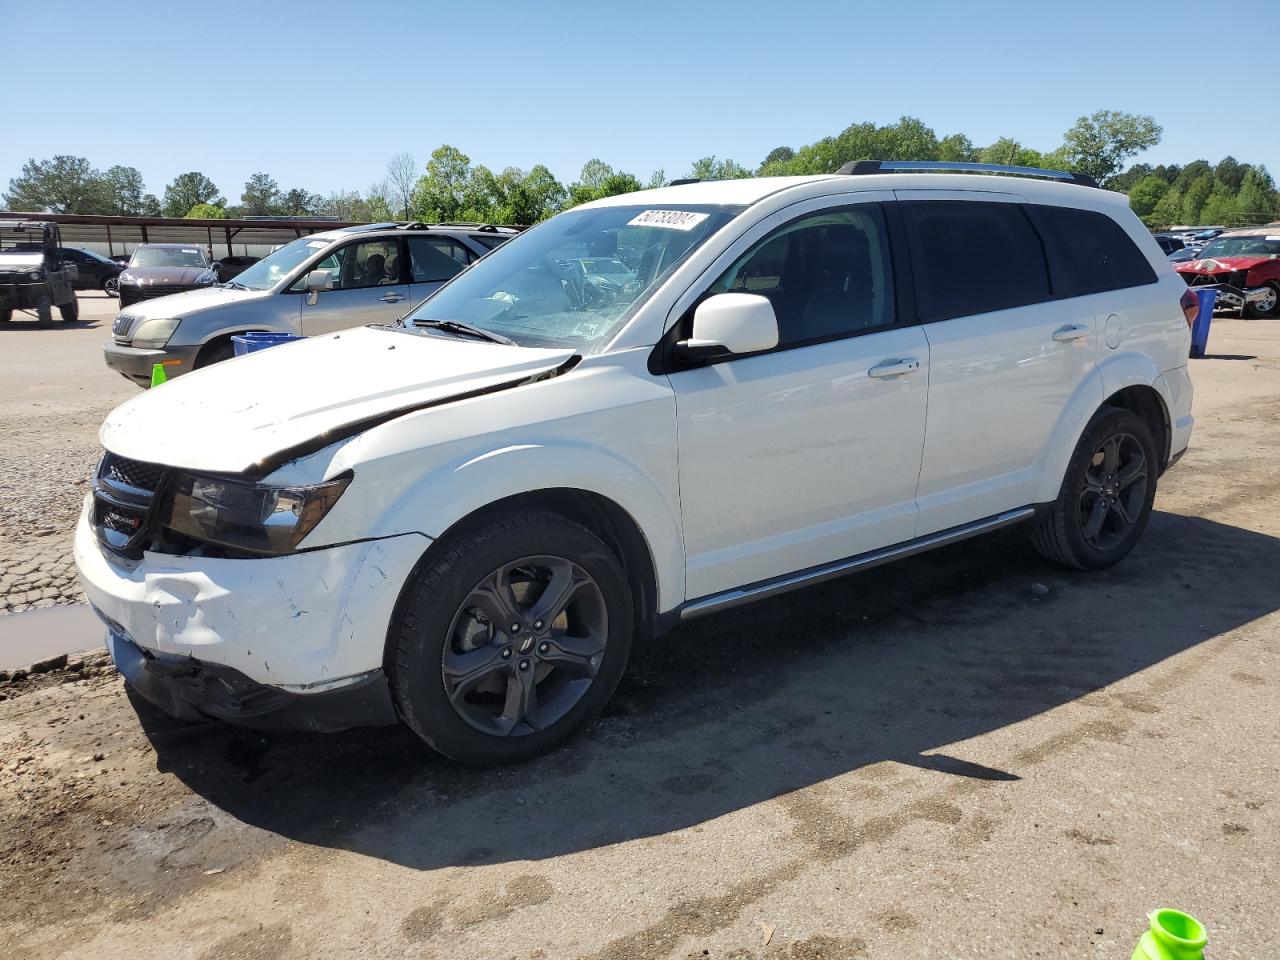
683,180
857,167
478,226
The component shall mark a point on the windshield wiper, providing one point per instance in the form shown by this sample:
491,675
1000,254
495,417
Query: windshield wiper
233,285
457,326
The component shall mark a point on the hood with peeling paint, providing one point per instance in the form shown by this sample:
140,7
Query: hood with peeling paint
236,415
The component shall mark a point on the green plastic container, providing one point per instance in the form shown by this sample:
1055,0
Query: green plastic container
1174,935
158,376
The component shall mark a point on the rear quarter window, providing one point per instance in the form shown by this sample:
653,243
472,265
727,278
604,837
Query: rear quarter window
1089,252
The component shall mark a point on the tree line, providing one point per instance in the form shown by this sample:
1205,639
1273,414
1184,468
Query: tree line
450,187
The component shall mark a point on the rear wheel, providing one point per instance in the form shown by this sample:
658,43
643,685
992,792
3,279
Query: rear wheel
6,316
1269,305
70,311
111,287
510,638
1106,496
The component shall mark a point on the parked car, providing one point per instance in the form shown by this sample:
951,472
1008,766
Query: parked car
1244,267
229,267
93,270
161,269
316,284
1170,245
35,275
466,521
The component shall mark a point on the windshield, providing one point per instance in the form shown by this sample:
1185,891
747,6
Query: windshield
168,257
573,280
1268,246
277,265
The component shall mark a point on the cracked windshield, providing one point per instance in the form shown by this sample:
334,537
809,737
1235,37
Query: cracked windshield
573,280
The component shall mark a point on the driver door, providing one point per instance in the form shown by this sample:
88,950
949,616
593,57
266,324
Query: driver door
368,287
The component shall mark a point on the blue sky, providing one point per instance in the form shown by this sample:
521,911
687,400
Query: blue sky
321,94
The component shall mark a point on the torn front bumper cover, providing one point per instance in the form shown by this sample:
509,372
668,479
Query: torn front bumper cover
190,689
1229,295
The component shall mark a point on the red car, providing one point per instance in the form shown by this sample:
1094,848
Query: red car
1244,267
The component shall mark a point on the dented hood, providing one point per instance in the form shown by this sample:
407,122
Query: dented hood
256,410
1219,264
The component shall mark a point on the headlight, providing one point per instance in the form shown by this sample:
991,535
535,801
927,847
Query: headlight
207,277
33,275
128,277
248,516
154,334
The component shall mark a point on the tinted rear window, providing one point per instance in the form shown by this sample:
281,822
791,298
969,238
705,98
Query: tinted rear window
973,257
1089,252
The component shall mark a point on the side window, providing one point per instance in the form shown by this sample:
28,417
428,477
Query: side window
1089,252
490,240
436,258
369,263
827,275
973,257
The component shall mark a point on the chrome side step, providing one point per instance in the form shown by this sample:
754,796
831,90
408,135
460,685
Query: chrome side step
807,578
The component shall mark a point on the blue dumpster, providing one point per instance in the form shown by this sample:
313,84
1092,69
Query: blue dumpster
1200,329
251,342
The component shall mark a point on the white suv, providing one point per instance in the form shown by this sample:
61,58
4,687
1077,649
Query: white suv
648,408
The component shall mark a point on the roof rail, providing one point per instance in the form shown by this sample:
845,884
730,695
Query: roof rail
855,167
683,180
480,227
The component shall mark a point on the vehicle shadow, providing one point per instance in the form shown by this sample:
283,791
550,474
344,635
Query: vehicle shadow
21,322
731,711
1227,356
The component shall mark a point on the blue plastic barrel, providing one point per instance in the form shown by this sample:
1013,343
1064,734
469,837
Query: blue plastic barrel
1200,329
250,342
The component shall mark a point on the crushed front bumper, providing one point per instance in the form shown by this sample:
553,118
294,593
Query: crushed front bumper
1229,295
251,638
190,689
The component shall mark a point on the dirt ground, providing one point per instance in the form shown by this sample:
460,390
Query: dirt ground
967,754
54,393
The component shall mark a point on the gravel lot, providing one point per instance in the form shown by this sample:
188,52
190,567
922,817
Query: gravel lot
967,754
56,393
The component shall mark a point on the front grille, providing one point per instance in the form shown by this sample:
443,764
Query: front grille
123,493
1235,278
123,326
135,473
152,290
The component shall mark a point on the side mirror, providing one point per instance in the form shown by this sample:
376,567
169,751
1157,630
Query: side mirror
729,324
317,280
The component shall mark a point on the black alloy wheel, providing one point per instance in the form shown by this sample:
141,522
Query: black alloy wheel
1113,492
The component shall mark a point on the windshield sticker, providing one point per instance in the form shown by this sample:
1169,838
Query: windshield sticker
669,219
1274,239
189,250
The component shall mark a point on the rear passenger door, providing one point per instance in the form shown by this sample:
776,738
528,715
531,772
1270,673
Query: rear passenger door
1005,352
432,261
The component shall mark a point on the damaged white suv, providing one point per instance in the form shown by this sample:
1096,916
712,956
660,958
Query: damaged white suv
648,408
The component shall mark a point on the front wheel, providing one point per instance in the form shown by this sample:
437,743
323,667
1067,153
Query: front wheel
1106,496
111,287
70,312
510,637
1269,305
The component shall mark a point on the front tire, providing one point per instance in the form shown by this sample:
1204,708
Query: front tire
70,312
1105,500
510,637
111,287
1268,308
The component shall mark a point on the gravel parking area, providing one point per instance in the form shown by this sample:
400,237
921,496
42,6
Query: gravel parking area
56,393
966,754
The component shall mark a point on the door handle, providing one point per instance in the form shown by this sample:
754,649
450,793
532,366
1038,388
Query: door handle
392,297
1072,331
886,369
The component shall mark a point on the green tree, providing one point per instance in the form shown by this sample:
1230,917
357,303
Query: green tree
1168,210
1099,145
1144,196
64,184
150,206
1124,182
656,179
957,148
1191,172
709,168
299,203
187,190
1195,197
122,191
440,193
1221,207
778,155
1257,201
591,187
206,211
261,196
1229,172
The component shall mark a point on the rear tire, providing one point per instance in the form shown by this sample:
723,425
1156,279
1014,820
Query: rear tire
70,311
1105,500
484,691
6,316
1269,309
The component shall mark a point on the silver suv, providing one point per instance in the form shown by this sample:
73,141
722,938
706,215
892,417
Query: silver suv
317,284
